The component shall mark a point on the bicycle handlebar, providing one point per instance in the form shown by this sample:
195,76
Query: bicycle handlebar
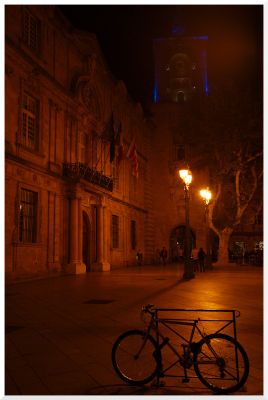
147,307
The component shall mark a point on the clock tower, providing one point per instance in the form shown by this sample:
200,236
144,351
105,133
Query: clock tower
180,85
180,68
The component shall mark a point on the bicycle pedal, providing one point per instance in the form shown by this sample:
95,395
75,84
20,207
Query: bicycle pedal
185,380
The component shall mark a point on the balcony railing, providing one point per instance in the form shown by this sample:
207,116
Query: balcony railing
77,171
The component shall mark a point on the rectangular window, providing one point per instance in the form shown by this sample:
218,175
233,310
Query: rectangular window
28,216
115,231
31,31
29,128
133,235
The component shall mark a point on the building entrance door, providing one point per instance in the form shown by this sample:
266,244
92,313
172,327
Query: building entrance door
86,241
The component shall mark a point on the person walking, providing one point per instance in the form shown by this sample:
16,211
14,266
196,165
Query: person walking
139,257
195,259
201,259
163,255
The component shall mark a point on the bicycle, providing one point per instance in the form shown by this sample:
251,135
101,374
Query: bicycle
219,360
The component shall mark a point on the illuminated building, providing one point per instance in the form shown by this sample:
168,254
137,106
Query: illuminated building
71,204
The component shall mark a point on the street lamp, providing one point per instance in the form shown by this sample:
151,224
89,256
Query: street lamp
186,176
206,196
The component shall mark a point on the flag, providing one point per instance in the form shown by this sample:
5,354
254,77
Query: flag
120,147
132,155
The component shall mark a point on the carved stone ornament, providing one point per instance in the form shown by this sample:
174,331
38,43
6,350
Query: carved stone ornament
87,95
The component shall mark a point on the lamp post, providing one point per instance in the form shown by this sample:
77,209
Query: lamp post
186,176
206,196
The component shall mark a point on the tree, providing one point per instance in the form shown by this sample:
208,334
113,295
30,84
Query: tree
231,149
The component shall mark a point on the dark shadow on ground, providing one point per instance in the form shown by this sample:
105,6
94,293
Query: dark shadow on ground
127,390
148,298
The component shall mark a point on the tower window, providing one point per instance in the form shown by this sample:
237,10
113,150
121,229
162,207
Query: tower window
180,153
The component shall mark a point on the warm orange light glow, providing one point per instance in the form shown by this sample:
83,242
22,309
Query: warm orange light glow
206,195
186,176
183,173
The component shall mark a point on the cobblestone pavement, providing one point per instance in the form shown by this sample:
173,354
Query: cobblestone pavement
60,331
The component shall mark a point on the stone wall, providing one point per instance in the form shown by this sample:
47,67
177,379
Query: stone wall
76,95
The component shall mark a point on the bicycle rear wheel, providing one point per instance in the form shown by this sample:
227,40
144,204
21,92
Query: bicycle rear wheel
134,357
221,363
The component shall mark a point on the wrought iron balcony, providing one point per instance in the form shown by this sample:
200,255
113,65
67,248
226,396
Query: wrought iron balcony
77,171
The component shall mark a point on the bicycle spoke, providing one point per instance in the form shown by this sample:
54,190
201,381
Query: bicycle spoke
221,364
133,357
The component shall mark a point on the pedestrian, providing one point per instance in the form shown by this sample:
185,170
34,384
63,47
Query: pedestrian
201,259
163,255
139,257
195,259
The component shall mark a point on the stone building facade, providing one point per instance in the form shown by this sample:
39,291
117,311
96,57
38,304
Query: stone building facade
73,203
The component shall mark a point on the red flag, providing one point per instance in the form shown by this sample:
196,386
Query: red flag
132,155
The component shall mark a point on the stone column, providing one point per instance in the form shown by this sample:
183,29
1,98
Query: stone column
100,231
74,230
50,230
80,231
58,205
53,120
75,266
106,241
54,225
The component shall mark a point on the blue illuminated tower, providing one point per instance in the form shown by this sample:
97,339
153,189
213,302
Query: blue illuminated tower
180,90
180,68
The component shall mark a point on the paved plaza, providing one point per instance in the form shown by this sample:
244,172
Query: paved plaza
60,331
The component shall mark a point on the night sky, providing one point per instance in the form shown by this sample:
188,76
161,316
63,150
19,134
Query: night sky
126,33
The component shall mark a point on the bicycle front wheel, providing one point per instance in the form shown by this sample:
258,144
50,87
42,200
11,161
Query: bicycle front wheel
221,363
134,357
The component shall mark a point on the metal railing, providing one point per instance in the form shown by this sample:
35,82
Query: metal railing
77,171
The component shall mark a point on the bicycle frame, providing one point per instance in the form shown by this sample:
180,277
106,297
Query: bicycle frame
157,320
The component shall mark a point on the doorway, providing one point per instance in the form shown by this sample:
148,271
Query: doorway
86,241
